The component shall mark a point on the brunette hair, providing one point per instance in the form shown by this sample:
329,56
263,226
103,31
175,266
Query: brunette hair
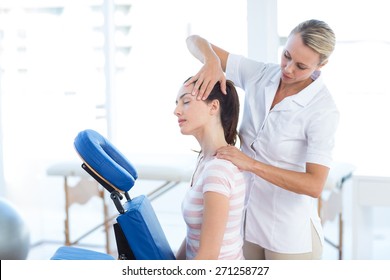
229,107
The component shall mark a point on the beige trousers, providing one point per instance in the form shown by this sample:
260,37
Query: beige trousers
255,252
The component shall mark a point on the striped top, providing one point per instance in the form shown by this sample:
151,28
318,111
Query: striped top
223,177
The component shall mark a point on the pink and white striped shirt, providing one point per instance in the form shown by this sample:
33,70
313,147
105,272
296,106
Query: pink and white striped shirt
223,177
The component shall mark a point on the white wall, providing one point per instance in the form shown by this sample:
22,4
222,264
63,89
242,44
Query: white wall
2,181
263,38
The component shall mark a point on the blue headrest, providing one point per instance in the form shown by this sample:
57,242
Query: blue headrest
107,161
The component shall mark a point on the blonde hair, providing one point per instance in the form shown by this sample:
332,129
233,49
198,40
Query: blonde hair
318,36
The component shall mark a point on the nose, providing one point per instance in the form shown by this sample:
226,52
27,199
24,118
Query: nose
176,111
288,67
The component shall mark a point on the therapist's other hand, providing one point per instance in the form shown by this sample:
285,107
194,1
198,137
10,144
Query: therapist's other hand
238,158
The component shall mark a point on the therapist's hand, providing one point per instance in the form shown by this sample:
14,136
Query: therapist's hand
210,73
238,158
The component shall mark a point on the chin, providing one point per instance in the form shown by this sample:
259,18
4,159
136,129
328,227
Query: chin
184,132
287,80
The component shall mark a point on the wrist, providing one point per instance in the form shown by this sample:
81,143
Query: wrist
253,166
212,58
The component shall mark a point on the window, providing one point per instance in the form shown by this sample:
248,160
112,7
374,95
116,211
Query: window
356,75
55,78
159,64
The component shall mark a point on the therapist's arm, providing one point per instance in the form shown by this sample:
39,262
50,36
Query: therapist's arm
310,183
214,61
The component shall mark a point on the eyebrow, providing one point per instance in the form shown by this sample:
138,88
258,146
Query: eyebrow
299,63
182,96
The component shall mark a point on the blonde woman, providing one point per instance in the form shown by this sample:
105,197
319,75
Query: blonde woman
287,134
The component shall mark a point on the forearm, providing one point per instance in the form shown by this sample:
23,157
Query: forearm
309,183
201,49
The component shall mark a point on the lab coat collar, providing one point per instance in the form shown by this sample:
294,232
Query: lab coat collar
304,96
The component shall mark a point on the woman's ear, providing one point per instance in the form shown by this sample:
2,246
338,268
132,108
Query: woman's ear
322,64
214,106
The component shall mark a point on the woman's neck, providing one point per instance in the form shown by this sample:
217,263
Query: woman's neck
285,90
291,89
211,142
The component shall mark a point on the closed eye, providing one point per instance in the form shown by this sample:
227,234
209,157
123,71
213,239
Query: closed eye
184,98
302,67
299,65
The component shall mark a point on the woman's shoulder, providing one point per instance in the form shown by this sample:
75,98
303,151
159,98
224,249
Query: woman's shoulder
223,165
237,58
250,64
222,172
219,162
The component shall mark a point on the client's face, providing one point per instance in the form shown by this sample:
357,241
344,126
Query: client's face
192,114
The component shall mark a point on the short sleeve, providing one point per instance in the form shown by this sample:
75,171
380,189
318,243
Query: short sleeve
242,70
218,177
321,135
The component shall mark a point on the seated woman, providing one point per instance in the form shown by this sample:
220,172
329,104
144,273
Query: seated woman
214,204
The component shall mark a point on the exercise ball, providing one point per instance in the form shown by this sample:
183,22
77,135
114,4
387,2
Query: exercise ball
14,234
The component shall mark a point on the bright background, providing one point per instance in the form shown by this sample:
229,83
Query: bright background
53,83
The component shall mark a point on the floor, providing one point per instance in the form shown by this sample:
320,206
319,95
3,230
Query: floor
46,216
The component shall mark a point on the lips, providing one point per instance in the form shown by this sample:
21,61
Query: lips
180,121
286,76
